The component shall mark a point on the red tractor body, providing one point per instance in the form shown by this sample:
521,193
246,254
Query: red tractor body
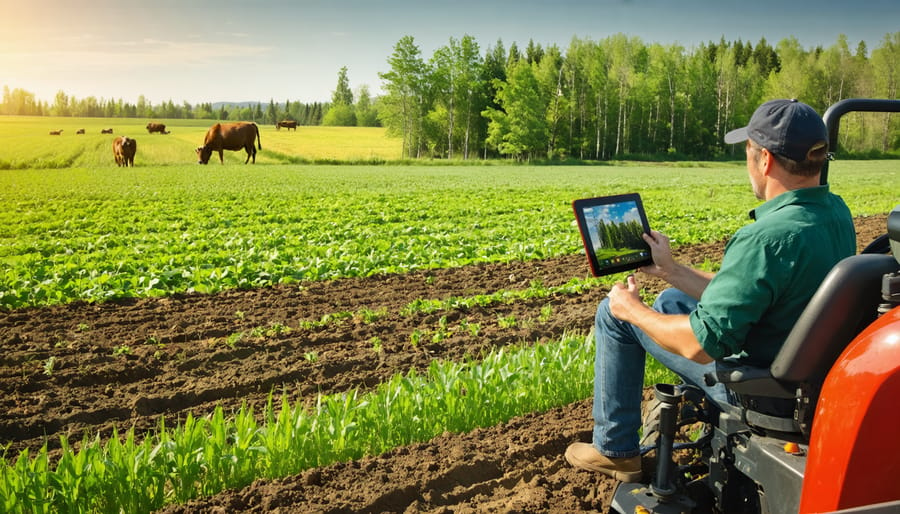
854,449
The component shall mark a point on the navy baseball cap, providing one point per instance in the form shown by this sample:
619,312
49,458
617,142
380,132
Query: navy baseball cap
784,127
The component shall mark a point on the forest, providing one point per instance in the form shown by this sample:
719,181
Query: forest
614,98
623,235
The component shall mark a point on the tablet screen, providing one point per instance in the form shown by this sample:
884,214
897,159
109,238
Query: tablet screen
611,228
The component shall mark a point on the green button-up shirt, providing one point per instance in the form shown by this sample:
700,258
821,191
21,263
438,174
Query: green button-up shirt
770,270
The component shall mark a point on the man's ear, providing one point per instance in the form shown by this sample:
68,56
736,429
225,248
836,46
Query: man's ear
766,161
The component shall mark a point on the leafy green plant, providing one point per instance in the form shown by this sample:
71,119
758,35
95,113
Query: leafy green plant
274,329
507,321
546,313
122,349
443,330
49,365
233,339
369,316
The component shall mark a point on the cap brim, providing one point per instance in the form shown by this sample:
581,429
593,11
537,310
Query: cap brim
737,136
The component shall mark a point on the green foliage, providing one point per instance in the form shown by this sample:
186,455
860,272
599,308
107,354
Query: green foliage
101,233
340,115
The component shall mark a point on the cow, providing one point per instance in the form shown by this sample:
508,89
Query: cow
56,132
124,149
79,131
156,127
106,131
229,136
288,124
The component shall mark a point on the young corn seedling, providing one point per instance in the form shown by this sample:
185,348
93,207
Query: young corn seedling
49,365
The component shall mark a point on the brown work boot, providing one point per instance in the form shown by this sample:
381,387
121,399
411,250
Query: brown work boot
585,456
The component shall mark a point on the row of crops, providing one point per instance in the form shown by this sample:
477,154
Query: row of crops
205,455
93,235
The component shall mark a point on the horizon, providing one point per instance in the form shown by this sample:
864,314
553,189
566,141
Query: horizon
228,52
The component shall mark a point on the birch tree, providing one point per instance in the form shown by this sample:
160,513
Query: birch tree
404,105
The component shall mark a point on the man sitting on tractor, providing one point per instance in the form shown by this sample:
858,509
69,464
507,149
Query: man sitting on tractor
769,272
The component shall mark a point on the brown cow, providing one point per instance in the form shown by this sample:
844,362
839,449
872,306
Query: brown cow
156,127
288,124
79,131
106,131
229,136
124,149
56,132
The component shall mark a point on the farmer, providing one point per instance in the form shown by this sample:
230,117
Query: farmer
769,272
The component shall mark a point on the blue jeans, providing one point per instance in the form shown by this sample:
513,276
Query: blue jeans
621,350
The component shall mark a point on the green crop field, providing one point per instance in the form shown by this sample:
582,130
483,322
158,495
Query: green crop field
92,231
76,227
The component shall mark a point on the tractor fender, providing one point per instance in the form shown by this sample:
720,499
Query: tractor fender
854,449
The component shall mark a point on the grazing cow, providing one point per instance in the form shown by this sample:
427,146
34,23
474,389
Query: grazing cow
288,124
156,127
79,131
229,136
56,132
106,131
124,149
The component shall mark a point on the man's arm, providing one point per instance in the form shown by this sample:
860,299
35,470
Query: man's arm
689,280
670,331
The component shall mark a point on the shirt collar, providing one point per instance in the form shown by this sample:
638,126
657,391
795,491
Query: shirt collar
805,195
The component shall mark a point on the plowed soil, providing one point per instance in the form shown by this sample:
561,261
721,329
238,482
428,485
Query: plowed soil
94,367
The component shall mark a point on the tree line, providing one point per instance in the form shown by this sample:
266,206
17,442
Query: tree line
620,97
615,98
23,103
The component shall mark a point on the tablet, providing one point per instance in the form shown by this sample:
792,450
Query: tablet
611,228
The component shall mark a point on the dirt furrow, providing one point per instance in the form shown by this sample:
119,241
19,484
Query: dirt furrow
79,368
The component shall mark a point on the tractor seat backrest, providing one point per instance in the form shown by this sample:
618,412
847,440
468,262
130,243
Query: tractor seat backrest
846,301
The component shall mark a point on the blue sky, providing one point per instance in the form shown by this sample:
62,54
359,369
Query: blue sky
615,213
224,50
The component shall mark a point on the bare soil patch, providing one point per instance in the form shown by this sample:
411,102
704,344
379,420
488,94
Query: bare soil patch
94,367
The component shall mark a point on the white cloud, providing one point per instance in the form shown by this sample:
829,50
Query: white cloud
631,215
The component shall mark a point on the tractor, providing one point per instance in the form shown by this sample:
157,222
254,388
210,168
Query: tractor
819,429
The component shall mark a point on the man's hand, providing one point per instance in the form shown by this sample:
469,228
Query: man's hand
689,280
661,249
625,300
670,331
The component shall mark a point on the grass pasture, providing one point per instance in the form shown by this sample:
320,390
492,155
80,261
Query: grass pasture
27,143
